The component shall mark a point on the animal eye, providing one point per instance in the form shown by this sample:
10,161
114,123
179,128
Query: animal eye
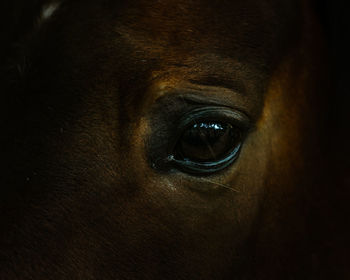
208,144
207,141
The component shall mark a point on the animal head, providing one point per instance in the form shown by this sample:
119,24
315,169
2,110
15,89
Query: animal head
162,140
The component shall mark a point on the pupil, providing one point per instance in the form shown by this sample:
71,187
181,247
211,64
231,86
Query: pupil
208,141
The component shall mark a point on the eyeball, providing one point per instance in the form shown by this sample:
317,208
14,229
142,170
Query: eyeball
209,142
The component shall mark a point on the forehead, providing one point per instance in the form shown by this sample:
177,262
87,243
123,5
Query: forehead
250,30
201,14
128,45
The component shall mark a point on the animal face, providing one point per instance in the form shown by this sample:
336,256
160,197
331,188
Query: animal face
163,140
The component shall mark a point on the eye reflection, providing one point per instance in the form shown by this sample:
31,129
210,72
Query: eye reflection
207,141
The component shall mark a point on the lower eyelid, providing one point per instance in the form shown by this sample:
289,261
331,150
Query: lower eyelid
205,168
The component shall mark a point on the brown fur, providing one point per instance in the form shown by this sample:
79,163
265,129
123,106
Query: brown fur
94,104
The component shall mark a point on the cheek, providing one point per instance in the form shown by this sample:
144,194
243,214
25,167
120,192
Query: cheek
215,225
281,128
279,151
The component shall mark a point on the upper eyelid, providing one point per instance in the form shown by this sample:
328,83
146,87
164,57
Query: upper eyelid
214,96
246,121
218,111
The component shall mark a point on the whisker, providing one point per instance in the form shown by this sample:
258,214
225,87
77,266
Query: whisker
221,185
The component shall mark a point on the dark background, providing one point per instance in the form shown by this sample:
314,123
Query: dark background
336,21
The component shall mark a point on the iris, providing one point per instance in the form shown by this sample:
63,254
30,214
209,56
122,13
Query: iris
209,141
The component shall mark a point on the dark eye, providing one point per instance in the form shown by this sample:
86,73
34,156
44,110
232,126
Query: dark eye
207,141
210,142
